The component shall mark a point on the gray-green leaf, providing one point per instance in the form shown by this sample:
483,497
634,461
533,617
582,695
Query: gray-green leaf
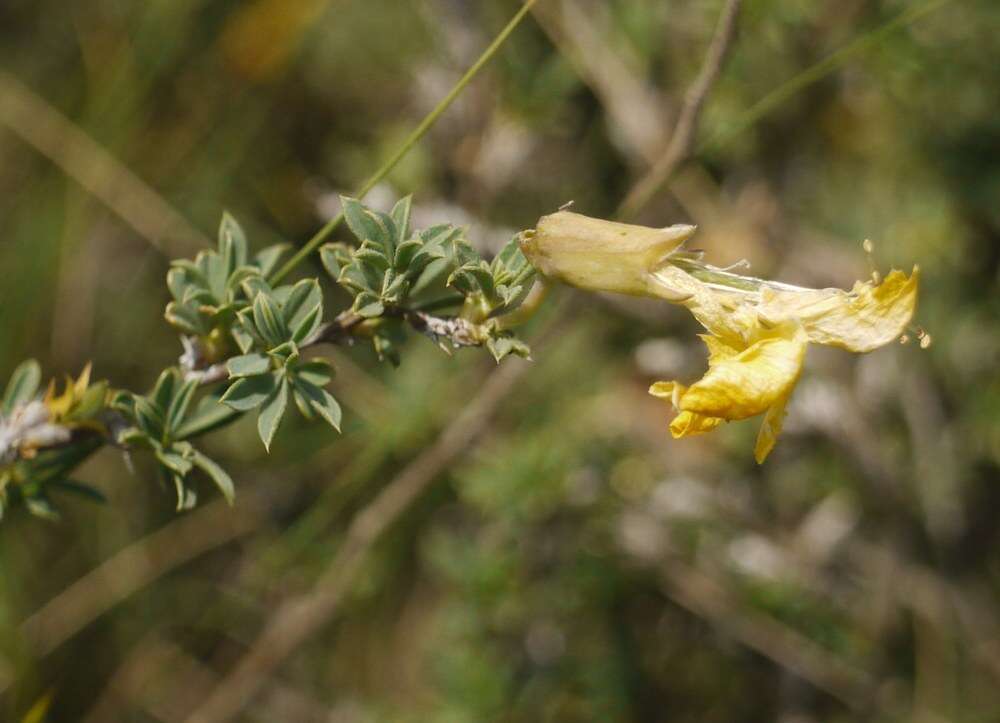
23,385
272,412
218,475
321,401
248,365
249,393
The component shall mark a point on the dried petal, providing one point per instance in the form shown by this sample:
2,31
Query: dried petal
860,320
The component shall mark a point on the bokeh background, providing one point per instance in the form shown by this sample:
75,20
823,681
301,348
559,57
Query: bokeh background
573,563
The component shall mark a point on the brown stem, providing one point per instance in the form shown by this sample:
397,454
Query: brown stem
683,137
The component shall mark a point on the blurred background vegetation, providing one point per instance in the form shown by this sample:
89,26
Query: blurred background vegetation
573,563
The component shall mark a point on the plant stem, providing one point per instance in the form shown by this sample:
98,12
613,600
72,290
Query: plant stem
418,133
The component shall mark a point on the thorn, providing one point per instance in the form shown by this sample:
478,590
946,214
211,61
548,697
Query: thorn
566,206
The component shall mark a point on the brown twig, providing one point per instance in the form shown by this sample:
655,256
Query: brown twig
55,136
344,329
683,137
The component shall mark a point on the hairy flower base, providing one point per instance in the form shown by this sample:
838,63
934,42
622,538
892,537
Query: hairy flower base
758,329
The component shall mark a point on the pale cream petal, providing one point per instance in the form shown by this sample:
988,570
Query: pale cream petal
770,429
600,255
728,315
748,383
864,318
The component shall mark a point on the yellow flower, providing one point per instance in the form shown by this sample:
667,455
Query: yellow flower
741,382
758,329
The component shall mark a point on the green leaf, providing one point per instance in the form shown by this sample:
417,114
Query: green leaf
23,385
232,243
304,329
272,412
250,392
179,406
321,401
218,475
243,339
90,402
194,273
502,346
267,318
361,221
510,259
400,216
186,498
185,318
175,462
368,305
304,302
248,365
406,252
166,386
149,418
267,260
335,256
134,437
207,416
254,285
248,329
315,371
216,273
177,283
395,287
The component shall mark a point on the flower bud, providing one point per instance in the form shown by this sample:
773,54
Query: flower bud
601,255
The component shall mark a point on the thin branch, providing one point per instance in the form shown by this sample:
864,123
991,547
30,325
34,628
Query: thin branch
636,111
55,136
342,330
425,125
683,137
298,619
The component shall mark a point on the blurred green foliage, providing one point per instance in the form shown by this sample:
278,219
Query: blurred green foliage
577,564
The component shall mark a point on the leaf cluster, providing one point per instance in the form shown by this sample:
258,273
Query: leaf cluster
159,420
395,269
210,291
271,333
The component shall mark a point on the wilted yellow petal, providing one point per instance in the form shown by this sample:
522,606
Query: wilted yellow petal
748,383
684,424
671,391
718,349
864,318
600,255
729,315
770,428
687,424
